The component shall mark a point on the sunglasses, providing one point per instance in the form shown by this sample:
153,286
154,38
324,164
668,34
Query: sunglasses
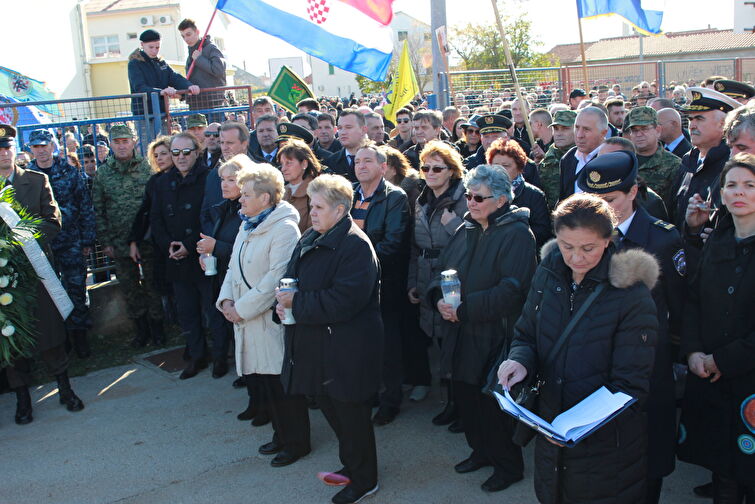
471,131
209,134
185,152
435,169
403,121
477,197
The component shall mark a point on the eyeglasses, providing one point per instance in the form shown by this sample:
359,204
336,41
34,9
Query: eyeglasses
435,169
209,134
477,197
185,152
400,121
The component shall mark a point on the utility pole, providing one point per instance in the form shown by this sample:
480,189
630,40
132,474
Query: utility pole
438,19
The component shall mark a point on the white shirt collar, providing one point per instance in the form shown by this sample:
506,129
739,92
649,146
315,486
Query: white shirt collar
673,145
624,226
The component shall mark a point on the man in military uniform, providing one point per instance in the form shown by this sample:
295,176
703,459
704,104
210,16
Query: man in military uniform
734,89
33,191
117,192
563,140
614,178
658,167
75,241
196,124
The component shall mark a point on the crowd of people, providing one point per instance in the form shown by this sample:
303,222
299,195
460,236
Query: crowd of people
610,248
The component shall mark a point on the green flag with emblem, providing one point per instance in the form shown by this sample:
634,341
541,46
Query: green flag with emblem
288,89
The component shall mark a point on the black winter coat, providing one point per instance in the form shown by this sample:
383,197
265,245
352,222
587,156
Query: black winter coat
530,197
175,217
717,428
335,347
662,240
151,75
495,267
337,164
225,226
612,345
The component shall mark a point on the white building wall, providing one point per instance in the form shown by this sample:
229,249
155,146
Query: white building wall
744,16
340,83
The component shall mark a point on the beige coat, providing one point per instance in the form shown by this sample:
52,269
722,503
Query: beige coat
264,252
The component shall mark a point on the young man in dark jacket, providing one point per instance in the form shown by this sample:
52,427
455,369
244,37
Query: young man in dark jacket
208,72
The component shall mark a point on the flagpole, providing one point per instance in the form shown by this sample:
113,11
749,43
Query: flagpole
201,42
522,101
582,50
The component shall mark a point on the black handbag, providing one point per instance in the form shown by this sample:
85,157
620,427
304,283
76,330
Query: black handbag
530,390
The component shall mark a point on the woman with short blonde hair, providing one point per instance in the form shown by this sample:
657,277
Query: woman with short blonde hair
265,179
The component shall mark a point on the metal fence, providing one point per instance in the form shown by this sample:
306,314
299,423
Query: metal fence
482,86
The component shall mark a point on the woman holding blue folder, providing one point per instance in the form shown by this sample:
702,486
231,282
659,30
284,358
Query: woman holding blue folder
611,343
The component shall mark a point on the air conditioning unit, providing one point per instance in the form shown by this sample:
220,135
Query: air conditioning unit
165,20
147,20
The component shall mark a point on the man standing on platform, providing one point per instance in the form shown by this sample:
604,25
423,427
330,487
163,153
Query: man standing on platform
208,72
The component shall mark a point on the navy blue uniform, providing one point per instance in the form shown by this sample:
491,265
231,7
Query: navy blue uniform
74,199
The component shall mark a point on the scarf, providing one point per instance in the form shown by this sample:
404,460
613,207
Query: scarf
252,223
518,181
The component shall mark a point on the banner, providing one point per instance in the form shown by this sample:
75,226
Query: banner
19,87
288,89
403,88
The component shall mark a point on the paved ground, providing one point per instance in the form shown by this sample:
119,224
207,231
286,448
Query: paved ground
147,437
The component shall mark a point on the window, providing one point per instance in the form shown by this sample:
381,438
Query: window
331,70
106,46
219,42
402,35
131,36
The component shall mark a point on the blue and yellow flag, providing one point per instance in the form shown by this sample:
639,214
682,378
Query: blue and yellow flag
645,20
403,88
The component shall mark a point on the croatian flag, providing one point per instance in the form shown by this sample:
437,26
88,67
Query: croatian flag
351,34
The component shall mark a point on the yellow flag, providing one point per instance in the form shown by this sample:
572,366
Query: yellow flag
404,86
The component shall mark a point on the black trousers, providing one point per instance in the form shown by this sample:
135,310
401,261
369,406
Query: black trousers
729,491
288,413
392,364
192,299
415,347
488,429
19,373
352,424
221,339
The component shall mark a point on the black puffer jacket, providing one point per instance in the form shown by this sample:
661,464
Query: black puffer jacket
495,267
612,345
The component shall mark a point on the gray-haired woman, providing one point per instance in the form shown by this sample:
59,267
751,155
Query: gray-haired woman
495,257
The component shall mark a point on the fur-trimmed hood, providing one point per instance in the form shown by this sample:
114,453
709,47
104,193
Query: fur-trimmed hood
139,55
627,267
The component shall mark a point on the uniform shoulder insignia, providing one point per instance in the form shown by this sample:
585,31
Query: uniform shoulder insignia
680,262
663,224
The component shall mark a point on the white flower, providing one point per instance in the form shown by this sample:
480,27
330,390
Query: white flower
4,281
3,262
6,299
8,331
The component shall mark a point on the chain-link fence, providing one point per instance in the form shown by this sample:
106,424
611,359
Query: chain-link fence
218,104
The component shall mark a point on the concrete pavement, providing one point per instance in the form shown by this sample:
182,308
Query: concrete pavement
148,437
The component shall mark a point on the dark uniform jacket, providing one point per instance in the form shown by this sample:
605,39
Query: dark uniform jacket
335,347
151,75
175,217
530,197
73,198
692,179
613,345
495,267
33,192
718,419
662,240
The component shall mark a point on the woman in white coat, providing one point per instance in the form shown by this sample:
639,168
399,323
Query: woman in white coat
267,237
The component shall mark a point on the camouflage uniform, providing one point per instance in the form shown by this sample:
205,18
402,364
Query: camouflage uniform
78,232
550,175
659,171
118,190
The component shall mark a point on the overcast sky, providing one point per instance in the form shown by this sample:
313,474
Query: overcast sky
554,22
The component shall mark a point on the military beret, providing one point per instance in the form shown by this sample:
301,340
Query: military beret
7,135
288,131
640,116
196,121
491,123
734,89
615,171
149,35
40,137
121,131
577,92
564,118
700,99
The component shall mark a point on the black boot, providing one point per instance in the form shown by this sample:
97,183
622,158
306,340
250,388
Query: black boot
251,410
449,413
67,397
142,332
81,343
157,332
23,406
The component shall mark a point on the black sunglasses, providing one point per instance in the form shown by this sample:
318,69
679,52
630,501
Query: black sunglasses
435,169
470,131
185,152
477,197
212,133
403,120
